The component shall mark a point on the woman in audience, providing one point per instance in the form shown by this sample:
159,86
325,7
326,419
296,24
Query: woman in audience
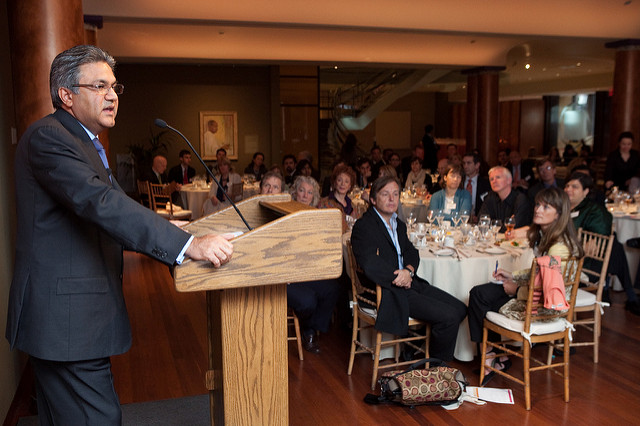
303,168
551,234
554,156
417,175
396,163
451,198
622,164
256,167
306,190
593,217
312,301
387,170
342,180
227,178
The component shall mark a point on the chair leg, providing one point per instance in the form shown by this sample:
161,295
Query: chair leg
376,360
527,377
483,354
597,324
296,326
354,337
566,367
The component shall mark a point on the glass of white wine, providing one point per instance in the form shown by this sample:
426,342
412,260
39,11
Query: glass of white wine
464,216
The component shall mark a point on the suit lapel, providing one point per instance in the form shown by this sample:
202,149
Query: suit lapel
72,125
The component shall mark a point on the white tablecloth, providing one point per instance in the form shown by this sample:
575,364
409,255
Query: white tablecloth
629,227
193,198
457,277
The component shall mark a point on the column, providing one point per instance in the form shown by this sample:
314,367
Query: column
482,110
39,30
625,104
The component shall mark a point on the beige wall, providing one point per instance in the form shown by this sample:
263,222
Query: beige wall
177,94
9,363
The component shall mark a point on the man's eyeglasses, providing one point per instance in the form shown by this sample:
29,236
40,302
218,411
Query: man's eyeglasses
102,88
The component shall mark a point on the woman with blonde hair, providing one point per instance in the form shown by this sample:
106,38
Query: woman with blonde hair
227,178
306,190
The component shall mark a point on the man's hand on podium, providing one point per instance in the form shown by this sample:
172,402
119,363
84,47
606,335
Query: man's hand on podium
214,248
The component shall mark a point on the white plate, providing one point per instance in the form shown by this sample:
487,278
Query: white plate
444,252
495,250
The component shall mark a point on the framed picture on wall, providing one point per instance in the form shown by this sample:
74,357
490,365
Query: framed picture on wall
218,129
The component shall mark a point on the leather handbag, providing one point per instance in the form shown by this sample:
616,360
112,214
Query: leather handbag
438,385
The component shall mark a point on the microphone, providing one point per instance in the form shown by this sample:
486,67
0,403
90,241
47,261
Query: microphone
163,125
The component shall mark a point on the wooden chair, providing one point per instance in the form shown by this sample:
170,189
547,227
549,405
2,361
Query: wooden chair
367,317
161,199
589,299
292,321
534,330
143,192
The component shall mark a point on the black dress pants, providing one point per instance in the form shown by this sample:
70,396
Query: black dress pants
76,393
442,311
482,299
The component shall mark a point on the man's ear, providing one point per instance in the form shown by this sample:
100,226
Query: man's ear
66,95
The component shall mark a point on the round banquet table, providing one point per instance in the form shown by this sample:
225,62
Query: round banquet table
628,226
416,206
193,198
458,277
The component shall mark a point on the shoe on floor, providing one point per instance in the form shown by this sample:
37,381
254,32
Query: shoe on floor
500,365
310,343
633,307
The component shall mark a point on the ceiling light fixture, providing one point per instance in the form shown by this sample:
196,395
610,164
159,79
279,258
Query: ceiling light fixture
527,66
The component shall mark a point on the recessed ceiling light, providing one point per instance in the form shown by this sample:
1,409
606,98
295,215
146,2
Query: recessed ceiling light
557,74
335,67
579,64
527,66
544,69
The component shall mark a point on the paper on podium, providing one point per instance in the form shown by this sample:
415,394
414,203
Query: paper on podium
500,396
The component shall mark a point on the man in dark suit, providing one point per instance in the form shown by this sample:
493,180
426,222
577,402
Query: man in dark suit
478,186
183,172
66,307
157,174
547,173
181,175
388,258
521,172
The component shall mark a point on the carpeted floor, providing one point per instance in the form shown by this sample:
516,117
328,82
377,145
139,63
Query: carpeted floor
191,410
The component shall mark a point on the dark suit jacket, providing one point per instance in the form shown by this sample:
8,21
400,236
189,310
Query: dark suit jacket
175,174
151,176
526,171
66,301
376,255
484,188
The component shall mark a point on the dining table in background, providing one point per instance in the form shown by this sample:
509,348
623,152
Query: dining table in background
458,273
627,227
193,197
418,206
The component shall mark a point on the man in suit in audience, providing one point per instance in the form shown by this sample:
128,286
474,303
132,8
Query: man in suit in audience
387,257
158,174
521,172
547,173
181,175
183,172
503,201
66,305
478,186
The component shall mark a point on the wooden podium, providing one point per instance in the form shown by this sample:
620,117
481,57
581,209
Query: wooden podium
247,300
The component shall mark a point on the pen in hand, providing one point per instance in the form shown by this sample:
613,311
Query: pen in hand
496,268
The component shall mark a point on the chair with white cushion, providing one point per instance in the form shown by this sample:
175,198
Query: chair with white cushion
161,203
538,327
588,311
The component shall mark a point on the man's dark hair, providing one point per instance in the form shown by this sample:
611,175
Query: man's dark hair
585,180
380,183
223,150
625,135
363,160
293,157
476,157
65,68
184,152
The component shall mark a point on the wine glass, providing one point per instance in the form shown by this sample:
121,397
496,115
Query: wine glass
464,216
411,219
484,224
510,225
455,218
440,217
496,225
465,229
431,215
